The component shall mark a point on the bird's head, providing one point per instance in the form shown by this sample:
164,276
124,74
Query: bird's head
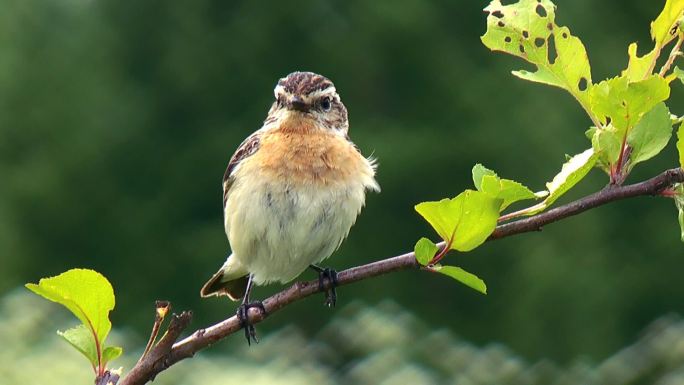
306,96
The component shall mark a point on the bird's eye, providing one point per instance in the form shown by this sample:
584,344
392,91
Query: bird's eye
279,101
325,104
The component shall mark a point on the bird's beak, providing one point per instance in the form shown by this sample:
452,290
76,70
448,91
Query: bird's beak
298,104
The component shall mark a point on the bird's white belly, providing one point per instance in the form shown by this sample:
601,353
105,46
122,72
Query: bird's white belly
276,231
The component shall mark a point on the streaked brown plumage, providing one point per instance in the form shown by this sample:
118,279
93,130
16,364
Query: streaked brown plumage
292,190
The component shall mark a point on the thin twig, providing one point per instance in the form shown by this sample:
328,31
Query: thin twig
164,355
161,308
676,51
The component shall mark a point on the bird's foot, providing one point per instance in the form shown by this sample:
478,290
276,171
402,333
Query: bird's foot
331,276
243,317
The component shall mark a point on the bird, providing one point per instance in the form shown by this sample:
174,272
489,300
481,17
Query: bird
291,193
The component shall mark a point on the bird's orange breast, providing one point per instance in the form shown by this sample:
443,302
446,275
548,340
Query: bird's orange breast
304,154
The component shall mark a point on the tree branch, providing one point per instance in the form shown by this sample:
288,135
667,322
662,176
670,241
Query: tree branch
164,354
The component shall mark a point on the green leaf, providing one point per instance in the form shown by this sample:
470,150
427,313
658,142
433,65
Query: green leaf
680,218
81,338
607,145
638,68
466,278
527,29
111,353
625,102
425,250
663,28
465,221
679,202
679,74
650,135
573,171
680,144
479,171
509,191
663,31
590,132
86,293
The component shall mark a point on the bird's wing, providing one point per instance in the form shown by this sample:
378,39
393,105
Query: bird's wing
248,148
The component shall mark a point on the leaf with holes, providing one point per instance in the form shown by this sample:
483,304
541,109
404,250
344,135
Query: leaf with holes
650,135
509,191
425,250
623,103
639,67
527,29
663,30
465,221
664,27
90,297
466,278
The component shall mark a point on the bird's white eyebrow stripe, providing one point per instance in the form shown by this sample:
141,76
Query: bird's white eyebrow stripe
304,83
331,91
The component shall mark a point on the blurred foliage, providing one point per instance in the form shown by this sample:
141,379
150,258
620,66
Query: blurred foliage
381,344
117,120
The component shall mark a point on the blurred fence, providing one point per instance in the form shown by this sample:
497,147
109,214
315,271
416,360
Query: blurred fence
362,344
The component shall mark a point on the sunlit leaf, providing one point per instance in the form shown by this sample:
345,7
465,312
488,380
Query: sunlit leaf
639,67
662,32
464,221
679,74
527,29
111,353
425,249
650,135
86,293
81,338
573,171
479,171
607,145
488,182
663,27
623,103
466,278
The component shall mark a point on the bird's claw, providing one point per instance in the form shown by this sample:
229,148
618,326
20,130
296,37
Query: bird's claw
331,293
243,318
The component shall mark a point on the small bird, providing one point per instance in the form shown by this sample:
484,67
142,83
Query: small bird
291,193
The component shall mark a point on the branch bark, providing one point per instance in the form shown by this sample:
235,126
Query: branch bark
164,354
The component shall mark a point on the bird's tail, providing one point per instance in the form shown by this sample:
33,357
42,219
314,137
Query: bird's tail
230,280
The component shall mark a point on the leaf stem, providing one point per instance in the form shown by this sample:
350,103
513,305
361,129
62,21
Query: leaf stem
98,347
161,308
616,174
676,51
442,253
521,212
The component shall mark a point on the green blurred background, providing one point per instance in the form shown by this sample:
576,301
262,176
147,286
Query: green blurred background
117,119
